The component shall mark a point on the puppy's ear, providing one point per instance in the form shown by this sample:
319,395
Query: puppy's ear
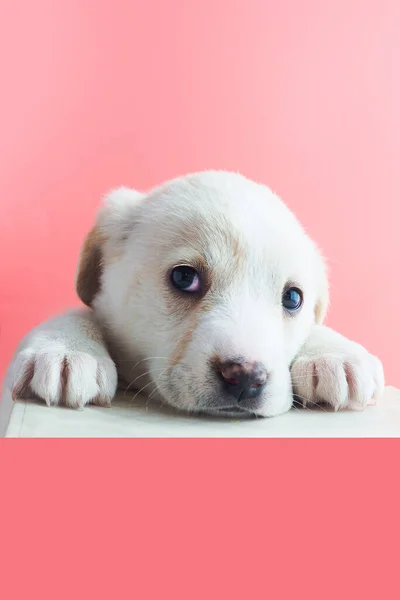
322,303
90,267
114,223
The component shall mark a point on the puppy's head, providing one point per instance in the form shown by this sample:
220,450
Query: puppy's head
210,285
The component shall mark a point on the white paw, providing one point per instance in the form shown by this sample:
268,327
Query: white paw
64,377
348,378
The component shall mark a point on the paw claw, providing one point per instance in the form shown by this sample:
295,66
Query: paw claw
69,378
344,379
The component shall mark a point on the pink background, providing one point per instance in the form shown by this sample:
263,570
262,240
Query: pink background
304,96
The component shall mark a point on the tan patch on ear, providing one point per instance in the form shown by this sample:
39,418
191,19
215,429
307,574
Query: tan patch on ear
321,307
322,303
112,251
90,266
320,312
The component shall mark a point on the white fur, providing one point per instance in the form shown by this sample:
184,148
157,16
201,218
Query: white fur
252,246
336,370
73,338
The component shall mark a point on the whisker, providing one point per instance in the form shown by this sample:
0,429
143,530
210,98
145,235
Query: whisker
152,382
149,358
141,390
155,389
139,376
302,406
158,385
308,401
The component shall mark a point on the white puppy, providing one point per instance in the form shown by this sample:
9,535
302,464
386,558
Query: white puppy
206,292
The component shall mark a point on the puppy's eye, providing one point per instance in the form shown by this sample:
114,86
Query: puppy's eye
292,299
185,279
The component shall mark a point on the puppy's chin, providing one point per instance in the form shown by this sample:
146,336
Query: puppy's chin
238,413
269,408
278,400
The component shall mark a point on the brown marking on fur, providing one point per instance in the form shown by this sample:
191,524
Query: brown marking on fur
195,306
202,307
238,251
322,303
221,235
112,251
91,331
183,343
216,360
240,259
235,262
64,380
20,389
90,266
320,311
201,264
315,378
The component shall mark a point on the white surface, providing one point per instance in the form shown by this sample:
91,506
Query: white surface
145,419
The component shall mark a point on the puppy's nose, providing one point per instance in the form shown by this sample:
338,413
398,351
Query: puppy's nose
244,380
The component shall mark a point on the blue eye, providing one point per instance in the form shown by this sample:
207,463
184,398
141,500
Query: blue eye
185,279
292,299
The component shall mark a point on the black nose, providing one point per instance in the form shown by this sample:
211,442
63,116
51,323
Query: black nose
244,380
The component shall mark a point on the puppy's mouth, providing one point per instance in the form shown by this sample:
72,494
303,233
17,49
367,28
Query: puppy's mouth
230,411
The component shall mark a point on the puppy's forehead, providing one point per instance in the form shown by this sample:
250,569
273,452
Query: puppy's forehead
229,193
222,212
